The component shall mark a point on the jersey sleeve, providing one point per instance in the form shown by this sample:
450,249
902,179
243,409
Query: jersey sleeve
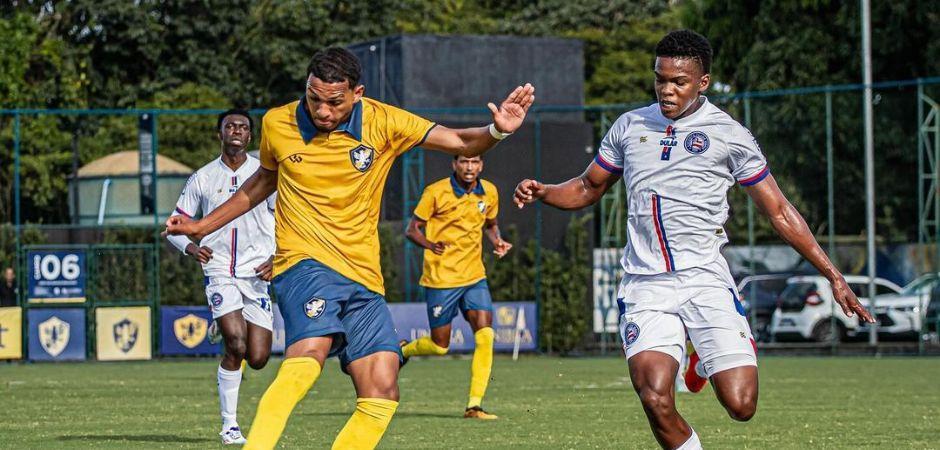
187,205
610,153
746,162
425,208
494,200
271,202
266,152
407,130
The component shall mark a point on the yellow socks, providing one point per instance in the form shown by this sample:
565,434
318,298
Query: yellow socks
294,379
481,366
423,346
367,424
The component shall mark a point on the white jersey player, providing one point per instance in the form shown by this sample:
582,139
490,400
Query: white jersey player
678,158
236,261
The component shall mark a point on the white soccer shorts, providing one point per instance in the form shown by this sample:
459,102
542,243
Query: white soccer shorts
658,311
227,294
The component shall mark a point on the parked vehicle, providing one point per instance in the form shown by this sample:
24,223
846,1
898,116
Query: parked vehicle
902,315
762,301
806,305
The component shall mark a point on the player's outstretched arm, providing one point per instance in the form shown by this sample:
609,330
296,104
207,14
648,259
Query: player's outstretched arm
790,225
575,193
470,142
255,190
414,234
500,247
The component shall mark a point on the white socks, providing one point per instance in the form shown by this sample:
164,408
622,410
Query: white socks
229,382
692,443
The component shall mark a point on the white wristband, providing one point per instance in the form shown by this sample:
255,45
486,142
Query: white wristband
498,135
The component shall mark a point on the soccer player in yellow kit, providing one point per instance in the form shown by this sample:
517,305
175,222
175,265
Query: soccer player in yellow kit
328,156
455,211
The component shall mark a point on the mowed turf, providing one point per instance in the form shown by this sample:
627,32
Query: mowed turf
542,403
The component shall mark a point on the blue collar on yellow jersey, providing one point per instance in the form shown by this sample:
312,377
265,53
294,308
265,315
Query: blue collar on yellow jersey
352,125
459,191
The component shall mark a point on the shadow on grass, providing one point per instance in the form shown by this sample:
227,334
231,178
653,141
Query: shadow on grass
133,438
398,415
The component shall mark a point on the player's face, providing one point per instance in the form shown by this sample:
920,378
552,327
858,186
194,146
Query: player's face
468,169
679,81
329,104
235,133
9,275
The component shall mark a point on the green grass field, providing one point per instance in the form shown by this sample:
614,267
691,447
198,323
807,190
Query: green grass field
542,402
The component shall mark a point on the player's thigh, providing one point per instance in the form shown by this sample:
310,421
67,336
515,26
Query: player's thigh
441,335
477,305
223,296
259,315
719,330
652,330
369,328
442,305
375,375
311,298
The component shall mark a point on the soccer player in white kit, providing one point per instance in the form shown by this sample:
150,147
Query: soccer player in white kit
678,158
236,260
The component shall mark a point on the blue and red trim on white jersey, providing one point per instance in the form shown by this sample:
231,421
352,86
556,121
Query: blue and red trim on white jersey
661,234
610,167
180,211
231,267
756,178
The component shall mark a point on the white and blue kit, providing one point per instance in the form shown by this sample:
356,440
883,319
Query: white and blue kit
677,175
237,248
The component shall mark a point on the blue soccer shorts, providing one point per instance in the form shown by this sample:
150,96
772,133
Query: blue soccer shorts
317,301
442,303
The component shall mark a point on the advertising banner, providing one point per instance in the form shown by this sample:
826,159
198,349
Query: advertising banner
509,320
184,330
56,276
11,333
123,333
56,334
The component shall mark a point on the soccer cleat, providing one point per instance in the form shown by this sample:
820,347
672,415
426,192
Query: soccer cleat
404,360
215,335
477,412
232,436
693,380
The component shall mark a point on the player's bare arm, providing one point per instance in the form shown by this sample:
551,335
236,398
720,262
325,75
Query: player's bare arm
575,193
266,269
470,142
790,225
255,190
416,235
500,247
201,254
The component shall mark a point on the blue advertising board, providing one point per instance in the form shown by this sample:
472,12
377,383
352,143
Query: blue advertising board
278,338
56,276
184,330
411,322
56,334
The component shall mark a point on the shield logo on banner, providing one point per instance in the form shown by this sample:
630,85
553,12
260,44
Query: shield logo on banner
54,335
125,335
190,330
506,316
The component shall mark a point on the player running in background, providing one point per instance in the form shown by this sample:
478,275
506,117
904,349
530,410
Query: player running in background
678,158
328,156
236,260
456,211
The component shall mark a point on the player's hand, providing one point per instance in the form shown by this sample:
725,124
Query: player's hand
201,254
847,300
265,270
438,248
182,225
501,248
511,112
528,191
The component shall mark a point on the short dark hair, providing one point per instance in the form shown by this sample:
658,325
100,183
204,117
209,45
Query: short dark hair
335,65
687,44
234,112
456,157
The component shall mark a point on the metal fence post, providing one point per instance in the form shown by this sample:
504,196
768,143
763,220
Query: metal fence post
830,195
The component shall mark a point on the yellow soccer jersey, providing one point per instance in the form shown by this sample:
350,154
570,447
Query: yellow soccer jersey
330,184
456,217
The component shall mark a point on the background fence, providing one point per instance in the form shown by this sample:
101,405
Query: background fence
99,177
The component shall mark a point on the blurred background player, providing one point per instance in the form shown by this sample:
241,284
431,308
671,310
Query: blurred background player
456,211
678,158
328,156
236,260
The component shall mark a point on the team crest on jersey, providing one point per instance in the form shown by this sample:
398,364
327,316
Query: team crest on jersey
190,330
631,333
125,335
696,143
437,310
314,307
216,300
54,335
481,206
362,157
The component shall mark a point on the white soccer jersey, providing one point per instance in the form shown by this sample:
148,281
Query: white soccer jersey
242,244
677,175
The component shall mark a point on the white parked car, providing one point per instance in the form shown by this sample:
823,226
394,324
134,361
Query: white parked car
903,314
806,305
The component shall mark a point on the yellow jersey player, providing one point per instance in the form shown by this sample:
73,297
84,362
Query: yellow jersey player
328,155
455,212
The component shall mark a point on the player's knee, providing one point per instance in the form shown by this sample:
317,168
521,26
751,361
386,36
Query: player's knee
657,403
743,407
441,345
257,362
236,347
